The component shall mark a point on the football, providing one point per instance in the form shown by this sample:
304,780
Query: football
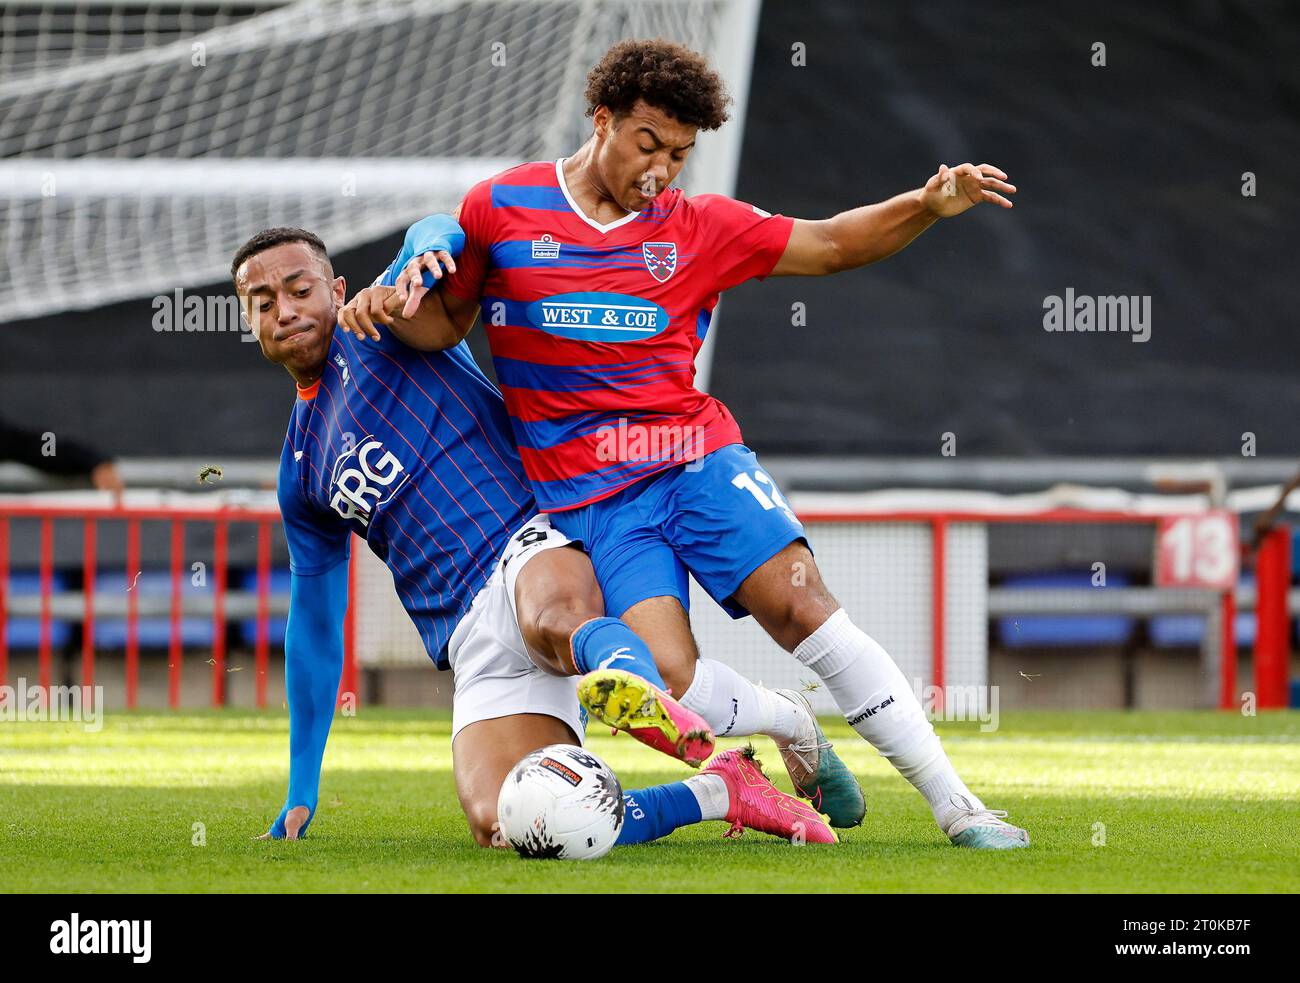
561,803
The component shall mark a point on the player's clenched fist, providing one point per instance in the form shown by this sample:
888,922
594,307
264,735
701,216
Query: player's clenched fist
375,303
952,190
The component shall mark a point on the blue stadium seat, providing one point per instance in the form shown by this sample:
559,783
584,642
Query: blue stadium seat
277,623
25,633
1023,631
110,633
1187,630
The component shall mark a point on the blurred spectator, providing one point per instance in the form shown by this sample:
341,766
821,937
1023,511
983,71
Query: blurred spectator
60,456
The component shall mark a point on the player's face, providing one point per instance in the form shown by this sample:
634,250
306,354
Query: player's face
291,299
640,154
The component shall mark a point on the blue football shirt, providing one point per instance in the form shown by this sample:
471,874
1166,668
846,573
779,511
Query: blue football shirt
412,451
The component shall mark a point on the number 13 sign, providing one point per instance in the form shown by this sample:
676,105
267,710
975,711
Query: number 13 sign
1197,550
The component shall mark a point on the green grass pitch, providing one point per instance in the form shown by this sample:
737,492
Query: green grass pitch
1142,802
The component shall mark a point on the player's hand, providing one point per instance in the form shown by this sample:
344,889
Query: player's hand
412,284
291,825
374,303
952,190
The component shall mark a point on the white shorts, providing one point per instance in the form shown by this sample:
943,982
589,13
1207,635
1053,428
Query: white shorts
494,675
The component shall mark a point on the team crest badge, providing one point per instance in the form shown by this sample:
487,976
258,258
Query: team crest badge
660,259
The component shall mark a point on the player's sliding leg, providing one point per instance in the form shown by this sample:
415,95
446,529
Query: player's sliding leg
734,706
732,788
735,791
871,690
482,754
561,617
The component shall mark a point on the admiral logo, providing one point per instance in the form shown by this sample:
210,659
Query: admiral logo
342,363
608,317
870,712
364,479
546,248
660,259
564,771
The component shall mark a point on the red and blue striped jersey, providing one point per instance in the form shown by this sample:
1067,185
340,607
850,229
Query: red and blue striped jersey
411,451
594,328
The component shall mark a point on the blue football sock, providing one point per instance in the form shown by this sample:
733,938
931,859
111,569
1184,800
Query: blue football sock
608,643
649,813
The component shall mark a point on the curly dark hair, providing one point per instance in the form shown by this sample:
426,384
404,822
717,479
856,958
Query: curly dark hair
278,236
667,75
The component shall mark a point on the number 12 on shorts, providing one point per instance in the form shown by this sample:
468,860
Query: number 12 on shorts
770,499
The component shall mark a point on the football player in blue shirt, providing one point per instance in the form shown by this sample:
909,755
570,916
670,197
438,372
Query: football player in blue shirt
412,451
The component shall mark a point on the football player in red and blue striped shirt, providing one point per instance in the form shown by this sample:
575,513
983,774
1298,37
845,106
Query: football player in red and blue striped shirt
411,451
595,280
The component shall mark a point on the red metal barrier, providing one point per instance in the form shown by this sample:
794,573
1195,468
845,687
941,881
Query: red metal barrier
47,591
938,603
132,608
939,522
263,611
1272,632
4,600
174,649
88,565
1228,651
220,545
221,519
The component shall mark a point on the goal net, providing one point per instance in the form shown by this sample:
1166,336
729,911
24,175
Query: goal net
141,142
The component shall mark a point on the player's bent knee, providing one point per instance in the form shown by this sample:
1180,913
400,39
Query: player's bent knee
557,592
809,612
791,606
551,625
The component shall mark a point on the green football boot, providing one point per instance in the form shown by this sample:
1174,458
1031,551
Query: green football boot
817,772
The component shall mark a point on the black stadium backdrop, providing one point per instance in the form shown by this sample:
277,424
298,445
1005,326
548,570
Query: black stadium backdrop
1130,184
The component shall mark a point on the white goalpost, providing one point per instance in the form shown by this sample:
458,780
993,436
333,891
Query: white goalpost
140,143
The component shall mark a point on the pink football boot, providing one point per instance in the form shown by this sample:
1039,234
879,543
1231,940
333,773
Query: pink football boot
758,804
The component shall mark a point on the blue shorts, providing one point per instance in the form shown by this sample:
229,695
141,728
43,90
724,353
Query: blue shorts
720,517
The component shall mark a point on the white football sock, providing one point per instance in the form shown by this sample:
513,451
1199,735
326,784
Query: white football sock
939,790
735,707
711,793
879,704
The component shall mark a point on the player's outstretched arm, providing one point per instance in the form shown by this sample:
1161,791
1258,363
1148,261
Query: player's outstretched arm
403,298
874,232
313,664
432,327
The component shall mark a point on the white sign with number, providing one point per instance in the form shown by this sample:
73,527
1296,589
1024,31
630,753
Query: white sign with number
1197,550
